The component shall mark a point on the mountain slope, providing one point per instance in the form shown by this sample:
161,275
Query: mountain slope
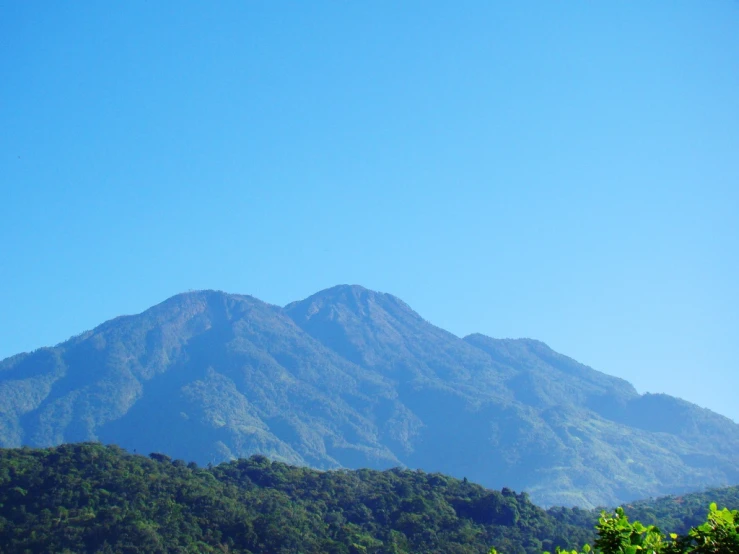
205,376
354,378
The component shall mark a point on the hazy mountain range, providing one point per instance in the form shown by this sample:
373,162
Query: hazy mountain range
354,378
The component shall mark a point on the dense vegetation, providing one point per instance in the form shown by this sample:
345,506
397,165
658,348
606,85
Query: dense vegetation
94,498
354,378
677,514
681,513
719,534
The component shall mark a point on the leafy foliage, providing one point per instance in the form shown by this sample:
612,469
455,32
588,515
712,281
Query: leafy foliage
679,514
719,534
682,513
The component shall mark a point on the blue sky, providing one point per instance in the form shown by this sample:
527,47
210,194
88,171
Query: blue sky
564,171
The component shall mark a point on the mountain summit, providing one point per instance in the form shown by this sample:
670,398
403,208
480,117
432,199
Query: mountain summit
354,378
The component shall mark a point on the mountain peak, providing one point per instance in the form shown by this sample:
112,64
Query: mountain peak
346,288
354,321
207,295
344,293
341,300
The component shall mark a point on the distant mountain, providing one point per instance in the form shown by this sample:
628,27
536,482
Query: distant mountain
354,378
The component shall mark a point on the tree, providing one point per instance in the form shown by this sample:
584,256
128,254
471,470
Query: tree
616,535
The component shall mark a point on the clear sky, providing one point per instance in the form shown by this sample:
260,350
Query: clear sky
566,171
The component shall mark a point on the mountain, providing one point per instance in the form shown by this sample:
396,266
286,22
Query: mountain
355,378
92,498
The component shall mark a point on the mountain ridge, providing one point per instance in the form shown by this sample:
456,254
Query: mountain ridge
350,377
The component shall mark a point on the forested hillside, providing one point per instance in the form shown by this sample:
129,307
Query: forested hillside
674,514
680,513
93,498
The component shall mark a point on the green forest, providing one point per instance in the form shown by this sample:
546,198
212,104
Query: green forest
94,498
